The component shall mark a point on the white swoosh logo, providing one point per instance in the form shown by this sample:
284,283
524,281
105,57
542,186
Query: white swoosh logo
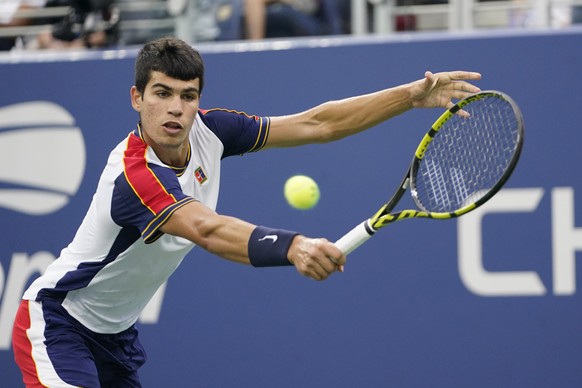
272,237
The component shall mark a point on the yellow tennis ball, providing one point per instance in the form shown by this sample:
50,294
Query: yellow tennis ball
301,192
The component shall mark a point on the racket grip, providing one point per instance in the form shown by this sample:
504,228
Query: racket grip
354,238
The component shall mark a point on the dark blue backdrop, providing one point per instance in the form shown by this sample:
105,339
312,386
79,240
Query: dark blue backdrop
401,315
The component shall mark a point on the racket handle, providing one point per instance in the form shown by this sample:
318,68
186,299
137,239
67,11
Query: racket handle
355,237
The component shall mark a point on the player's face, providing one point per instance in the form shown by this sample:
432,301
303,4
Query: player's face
167,111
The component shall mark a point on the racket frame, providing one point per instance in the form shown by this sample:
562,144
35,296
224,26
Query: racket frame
363,231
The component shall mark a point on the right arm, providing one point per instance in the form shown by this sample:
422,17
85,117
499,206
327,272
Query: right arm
228,237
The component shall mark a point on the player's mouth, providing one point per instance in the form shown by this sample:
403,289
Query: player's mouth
172,126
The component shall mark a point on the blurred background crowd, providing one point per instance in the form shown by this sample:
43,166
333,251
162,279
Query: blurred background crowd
60,24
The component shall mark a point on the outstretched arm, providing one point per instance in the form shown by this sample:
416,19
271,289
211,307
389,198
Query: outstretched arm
231,238
334,120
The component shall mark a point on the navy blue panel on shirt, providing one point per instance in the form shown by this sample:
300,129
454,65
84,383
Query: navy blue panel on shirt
128,209
86,271
238,132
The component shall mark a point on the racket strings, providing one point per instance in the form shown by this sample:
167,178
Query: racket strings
468,156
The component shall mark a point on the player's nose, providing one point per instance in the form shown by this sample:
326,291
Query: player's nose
175,106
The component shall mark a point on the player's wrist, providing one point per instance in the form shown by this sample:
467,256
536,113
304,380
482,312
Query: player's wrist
414,92
269,247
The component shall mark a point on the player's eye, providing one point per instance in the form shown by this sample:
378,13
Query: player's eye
189,97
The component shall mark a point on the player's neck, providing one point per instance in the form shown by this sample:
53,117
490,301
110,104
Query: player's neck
175,157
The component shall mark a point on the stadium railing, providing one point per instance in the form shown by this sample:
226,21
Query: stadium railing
367,16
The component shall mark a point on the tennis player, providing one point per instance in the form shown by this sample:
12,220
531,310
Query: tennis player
155,201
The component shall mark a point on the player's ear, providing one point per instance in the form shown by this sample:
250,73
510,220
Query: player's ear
136,99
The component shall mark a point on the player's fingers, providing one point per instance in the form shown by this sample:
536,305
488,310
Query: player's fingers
463,113
317,272
318,258
461,75
313,268
462,89
333,253
340,264
324,266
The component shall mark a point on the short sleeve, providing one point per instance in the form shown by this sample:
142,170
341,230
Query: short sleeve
239,132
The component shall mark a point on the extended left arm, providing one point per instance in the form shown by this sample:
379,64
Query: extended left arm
334,120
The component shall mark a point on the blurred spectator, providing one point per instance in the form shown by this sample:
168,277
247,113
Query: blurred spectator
8,17
561,14
577,14
139,36
288,18
89,23
408,22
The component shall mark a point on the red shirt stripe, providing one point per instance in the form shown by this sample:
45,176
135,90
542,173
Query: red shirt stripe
142,179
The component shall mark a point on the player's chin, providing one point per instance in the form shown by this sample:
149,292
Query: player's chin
174,137
171,143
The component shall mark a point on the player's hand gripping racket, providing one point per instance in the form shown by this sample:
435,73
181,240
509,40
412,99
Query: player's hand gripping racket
458,166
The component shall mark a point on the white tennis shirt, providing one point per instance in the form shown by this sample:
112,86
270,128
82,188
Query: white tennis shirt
118,257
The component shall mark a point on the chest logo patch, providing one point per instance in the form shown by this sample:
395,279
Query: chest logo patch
200,175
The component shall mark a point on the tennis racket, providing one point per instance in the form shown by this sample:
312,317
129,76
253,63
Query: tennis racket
458,166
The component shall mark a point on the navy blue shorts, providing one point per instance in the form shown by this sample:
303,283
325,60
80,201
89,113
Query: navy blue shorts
53,349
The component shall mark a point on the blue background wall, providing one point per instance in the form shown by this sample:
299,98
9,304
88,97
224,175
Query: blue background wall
400,315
